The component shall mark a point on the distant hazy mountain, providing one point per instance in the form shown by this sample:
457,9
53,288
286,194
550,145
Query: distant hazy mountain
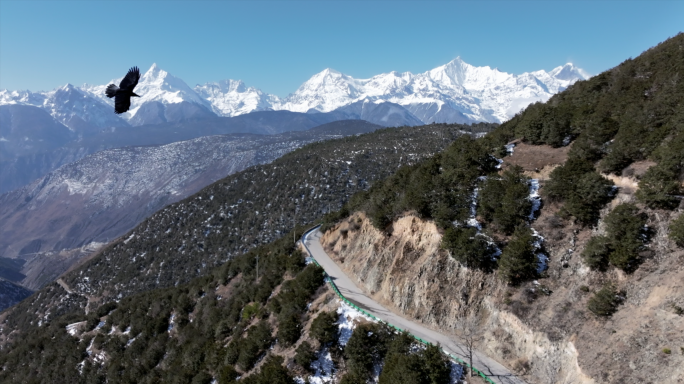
33,143
25,130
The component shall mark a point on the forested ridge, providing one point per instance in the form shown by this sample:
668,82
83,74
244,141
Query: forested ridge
253,207
631,113
233,215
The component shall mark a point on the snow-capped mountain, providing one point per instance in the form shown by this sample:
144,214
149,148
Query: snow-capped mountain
456,92
71,106
164,98
233,97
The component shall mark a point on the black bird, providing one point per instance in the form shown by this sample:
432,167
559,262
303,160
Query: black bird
123,93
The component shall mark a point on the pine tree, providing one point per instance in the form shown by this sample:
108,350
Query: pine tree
596,252
518,261
323,328
436,365
676,233
469,248
605,301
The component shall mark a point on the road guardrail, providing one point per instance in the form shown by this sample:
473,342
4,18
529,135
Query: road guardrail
356,307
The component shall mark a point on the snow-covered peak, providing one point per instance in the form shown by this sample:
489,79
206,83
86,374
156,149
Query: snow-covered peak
569,72
233,97
328,80
35,99
458,73
79,110
228,85
157,85
324,92
454,92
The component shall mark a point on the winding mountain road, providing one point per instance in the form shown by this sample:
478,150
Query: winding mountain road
496,372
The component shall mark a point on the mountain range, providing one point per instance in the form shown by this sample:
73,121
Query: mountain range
456,92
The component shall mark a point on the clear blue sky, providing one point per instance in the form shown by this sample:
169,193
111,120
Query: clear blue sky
277,45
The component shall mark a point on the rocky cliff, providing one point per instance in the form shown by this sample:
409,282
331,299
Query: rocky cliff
542,329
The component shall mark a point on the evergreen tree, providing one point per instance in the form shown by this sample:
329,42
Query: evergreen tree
366,346
404,368
469,248
676,233
324,329
504,201
272,372
596,252
605,301
436,365
590,193
304,355
228,375
518,261
660,186
289,329
625,228
562,179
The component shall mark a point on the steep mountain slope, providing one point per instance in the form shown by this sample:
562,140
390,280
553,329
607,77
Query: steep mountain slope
11,294
264,324
104,195
188,238
583,286
269,198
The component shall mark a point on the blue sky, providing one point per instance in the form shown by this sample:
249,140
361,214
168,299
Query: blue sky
277,45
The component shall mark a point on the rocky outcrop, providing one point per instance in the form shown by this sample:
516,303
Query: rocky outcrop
549,339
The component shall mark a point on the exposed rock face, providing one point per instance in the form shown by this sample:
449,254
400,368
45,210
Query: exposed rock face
550,339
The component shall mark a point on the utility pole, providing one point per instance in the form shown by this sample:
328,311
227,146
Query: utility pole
257,272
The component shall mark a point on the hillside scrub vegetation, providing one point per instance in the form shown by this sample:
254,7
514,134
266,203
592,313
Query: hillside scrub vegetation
504,201
677,231
626,235
661,185
605,302
629,113
616,117
438,188
191,334
518,261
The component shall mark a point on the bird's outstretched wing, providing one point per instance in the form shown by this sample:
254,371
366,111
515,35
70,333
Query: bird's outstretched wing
121,103
131,80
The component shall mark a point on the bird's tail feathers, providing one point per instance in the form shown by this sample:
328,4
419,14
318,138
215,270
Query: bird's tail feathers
111,90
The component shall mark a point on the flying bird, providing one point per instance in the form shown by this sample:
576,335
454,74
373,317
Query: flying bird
123,93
